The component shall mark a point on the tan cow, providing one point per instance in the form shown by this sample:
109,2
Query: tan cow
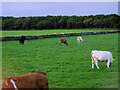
36,80
63,40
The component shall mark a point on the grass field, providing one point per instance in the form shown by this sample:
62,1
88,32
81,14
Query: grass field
44,32
66,66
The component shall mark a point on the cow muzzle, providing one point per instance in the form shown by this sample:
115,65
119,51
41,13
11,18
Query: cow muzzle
110,64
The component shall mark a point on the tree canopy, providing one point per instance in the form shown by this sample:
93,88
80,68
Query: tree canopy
111,21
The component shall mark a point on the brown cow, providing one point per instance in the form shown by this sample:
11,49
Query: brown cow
63,40
36,80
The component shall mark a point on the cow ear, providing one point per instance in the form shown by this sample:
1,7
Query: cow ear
14,80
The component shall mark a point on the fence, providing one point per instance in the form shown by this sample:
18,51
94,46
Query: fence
13,38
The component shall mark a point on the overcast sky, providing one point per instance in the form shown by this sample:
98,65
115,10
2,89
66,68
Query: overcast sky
19,9
60,0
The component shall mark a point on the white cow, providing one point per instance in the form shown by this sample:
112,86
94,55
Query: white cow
101,56
79,39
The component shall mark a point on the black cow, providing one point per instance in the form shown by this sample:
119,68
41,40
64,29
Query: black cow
22,39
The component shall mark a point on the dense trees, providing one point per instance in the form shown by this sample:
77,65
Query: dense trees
61,22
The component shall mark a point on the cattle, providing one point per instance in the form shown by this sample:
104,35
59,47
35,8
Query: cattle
37,80
101,56
79,39
22,39
63,40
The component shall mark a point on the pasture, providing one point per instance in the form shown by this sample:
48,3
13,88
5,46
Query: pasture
44,32
66,66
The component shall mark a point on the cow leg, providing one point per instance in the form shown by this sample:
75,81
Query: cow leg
93,63
108,63
96,63
46,87
22,42
60,43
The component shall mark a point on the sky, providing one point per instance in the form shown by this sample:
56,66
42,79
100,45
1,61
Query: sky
60,0
19,9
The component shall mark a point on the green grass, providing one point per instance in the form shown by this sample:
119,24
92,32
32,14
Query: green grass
66,66
44,32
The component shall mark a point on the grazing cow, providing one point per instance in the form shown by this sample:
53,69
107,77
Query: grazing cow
36,80
22,39
101,56
79,39
63,40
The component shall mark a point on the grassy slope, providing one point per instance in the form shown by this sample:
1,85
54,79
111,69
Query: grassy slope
65,66
43,32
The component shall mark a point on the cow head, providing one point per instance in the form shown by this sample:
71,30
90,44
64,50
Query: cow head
111,62
66,43
6,83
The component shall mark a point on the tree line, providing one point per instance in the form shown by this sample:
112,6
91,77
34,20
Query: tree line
111,21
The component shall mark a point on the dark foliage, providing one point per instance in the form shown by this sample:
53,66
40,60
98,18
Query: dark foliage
111,21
